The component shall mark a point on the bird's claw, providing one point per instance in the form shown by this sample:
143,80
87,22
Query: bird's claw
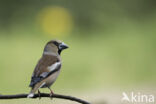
51,96
39,95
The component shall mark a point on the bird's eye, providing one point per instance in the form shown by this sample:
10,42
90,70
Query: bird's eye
56,43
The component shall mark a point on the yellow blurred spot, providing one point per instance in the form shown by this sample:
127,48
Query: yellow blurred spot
55,21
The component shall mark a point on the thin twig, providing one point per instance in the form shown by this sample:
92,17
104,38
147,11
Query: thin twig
18,96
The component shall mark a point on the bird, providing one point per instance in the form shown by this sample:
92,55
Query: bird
47,68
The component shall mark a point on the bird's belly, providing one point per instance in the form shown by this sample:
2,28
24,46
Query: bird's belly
51,79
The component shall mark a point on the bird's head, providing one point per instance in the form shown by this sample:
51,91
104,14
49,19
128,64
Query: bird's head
55,46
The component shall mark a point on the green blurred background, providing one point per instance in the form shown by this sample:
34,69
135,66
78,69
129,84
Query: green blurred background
112,46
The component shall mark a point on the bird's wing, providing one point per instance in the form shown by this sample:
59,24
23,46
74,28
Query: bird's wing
46,66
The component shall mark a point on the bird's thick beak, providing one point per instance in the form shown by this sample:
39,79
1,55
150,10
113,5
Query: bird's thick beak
63,46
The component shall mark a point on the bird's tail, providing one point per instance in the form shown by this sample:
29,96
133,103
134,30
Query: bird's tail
33,90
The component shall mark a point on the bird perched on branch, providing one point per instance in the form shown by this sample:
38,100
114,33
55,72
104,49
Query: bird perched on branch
47,68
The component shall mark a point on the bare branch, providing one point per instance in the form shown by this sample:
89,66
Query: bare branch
18,96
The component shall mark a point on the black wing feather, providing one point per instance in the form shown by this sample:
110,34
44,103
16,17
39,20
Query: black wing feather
35,80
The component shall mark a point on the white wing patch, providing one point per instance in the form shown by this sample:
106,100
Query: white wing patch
44,74
54,66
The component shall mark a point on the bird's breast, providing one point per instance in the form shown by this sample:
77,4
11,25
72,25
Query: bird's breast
52,78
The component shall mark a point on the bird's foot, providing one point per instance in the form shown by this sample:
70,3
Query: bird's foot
39,94
51,94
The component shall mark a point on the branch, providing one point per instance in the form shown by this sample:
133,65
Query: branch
44,95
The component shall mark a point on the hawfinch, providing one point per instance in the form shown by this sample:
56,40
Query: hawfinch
48,67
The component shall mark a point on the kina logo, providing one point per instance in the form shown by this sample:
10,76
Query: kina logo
137,98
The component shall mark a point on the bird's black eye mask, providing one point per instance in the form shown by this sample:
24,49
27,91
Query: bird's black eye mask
56,43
